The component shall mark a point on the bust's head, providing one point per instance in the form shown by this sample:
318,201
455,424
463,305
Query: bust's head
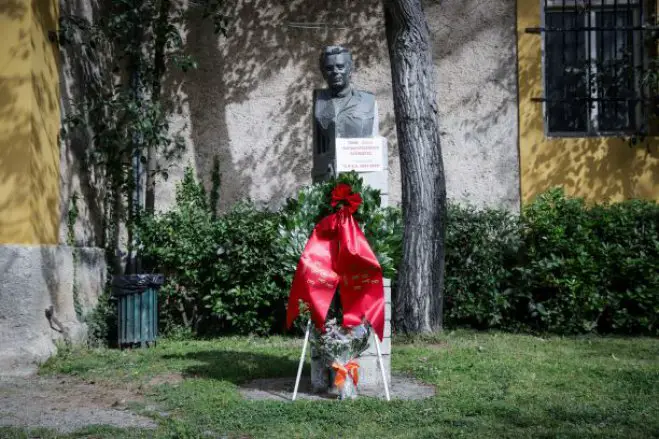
336,66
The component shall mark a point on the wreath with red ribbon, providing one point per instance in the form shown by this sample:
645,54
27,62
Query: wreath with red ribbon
338,254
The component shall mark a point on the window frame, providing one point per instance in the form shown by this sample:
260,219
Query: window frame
640,10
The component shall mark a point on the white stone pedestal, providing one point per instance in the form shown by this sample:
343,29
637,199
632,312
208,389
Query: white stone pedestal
370,375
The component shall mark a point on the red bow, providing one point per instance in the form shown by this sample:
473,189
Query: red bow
338,251
343,192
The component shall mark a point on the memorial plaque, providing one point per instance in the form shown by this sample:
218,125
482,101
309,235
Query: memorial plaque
360,154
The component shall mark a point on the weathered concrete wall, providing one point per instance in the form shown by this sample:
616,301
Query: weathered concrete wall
33,278
249,102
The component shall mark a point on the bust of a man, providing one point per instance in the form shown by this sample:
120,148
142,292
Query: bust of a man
339,110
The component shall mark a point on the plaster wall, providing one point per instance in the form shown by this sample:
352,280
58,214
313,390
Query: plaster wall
29,123
249,102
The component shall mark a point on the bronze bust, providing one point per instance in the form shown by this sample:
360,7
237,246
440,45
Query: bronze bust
339,110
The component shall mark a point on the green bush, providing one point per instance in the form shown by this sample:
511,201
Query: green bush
223,273
102,321
563,267
481,251
589,268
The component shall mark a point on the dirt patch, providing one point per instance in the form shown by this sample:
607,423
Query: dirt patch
66,404
169,378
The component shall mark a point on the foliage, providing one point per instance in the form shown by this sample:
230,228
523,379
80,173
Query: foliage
487,385
232,272
71,220
481,251
564,267
591,268
224,273
102,321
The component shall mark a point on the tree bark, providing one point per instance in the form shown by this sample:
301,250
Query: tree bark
420,284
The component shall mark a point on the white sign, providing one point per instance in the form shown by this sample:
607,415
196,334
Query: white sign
360,154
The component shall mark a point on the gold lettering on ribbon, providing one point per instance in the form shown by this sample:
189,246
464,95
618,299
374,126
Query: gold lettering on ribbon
371,281
316,274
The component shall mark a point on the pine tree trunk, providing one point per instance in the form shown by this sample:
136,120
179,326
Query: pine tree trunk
420,283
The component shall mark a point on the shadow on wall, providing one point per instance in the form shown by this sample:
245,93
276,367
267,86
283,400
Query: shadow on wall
474,49
598,168
250,99
29,123
29,114
78,67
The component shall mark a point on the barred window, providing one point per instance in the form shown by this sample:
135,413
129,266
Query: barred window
596,56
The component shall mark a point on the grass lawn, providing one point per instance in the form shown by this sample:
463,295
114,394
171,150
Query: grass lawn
488,385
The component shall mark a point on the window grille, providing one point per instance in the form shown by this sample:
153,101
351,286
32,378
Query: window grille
600,66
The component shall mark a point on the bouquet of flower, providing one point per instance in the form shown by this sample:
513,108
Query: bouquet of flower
340,347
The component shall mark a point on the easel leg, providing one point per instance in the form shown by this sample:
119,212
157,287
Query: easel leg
304,352
384,376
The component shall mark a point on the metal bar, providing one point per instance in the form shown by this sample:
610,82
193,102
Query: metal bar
563,56
631,68
641,73
600,65
604,99
589,60
575,23
301,364
615,49
545,72
539,30
384,375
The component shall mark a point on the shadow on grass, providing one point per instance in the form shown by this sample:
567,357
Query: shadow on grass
236,367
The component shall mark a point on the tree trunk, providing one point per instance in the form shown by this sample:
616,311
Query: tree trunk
420,283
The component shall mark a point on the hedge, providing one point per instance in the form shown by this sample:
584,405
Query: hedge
560,266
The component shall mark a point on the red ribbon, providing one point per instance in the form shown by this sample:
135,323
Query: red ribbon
337,252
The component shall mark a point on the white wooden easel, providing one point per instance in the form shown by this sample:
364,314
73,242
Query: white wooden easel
304,352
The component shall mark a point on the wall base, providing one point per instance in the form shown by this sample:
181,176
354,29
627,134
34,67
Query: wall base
32,280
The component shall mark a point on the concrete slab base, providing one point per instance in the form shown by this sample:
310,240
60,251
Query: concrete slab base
281,389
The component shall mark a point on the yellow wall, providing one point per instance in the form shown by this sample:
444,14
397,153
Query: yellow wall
598,169
29,123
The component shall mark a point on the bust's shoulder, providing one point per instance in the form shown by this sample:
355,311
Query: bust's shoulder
363,94
366,99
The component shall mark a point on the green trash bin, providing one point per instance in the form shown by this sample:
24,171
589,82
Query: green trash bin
137,308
